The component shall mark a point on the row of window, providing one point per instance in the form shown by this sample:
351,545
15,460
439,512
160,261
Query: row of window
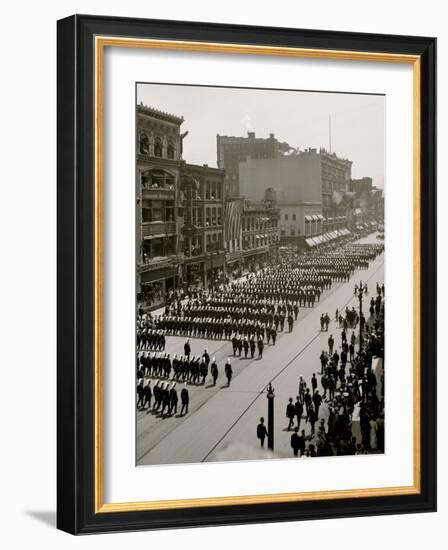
254,241
213,217
156,148
157,179
333,171
157,211
331,185
194,245
159,247
293,217
255,224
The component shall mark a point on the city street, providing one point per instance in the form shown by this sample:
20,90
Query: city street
222,420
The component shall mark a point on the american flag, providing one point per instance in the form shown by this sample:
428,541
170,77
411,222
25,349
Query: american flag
234,210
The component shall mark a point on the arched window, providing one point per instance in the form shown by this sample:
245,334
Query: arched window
158,147
144,144
170,150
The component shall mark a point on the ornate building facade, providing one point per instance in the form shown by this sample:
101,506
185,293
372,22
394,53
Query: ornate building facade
179,215
158,239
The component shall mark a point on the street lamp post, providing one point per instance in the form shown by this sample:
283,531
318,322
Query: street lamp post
360,290
270,396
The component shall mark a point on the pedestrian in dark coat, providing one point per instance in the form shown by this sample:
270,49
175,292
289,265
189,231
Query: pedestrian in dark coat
140,393
240,347
203,371
228,371
295,442
252,348
307,399
147,395
290,413
261,432
185,399
298,406
317,400
260,348
312,417
214,371
246,347
187,348
330,344
173,399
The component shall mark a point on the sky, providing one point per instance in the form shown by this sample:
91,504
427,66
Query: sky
300,118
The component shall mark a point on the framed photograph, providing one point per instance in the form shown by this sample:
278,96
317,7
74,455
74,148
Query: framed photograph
246,274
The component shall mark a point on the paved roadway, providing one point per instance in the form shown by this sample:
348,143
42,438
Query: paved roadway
222,418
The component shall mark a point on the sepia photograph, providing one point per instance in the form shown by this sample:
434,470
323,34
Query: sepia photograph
260,294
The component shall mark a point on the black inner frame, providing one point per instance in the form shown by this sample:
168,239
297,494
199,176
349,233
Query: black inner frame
76,263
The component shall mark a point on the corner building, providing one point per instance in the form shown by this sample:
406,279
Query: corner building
158,237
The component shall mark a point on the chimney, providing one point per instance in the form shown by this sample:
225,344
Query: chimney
251,135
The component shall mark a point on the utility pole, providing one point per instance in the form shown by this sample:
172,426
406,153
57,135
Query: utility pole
270,396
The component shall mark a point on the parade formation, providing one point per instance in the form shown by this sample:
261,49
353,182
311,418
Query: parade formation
338,411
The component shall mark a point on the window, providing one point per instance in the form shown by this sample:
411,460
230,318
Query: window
144,144
158,147
169,210
170,150
294,217
286,217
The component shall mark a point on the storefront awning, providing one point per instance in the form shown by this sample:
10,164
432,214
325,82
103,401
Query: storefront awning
308,218
310,241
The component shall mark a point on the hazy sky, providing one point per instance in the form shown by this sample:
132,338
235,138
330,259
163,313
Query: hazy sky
299,118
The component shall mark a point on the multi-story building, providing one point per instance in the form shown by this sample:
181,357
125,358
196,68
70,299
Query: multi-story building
231,150
252,234
298,219
368,202
312,190
337,196
203,224
179,214
158,236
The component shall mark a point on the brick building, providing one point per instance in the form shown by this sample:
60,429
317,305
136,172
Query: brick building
158,238
231,150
